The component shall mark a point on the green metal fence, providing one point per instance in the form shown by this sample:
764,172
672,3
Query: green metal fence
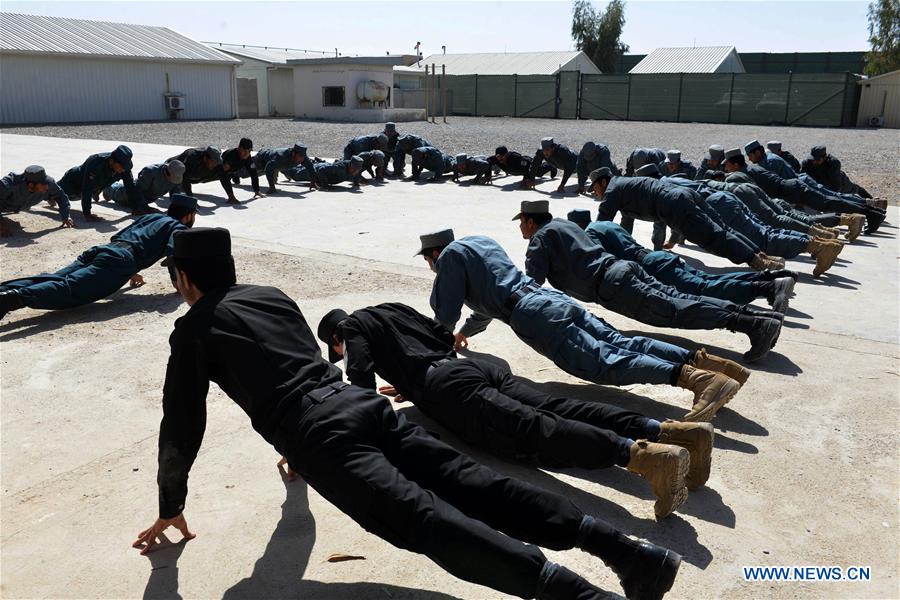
817,99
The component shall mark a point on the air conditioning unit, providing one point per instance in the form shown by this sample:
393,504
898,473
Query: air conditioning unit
174,102
876,121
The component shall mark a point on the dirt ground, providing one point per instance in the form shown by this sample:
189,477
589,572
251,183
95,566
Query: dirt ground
805,472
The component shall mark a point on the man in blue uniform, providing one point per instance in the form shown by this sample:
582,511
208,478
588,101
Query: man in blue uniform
592,157
373,163
798,191
558,156
674,166
102,270
679,208
775,147
642,156
99,171
773,241
21,191
363,143
404,146
484,405
388,475
433,160
273,161
642,162
153,182
741,287
560,252
476,272
472,165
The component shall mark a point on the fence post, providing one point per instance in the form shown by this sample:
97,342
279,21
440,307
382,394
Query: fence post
515,94
680,86
444,90
427,92
556,100
844,103
731,95
787,100
628,100
475,109
578,97
433,82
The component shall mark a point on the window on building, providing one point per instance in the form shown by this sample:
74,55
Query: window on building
333,96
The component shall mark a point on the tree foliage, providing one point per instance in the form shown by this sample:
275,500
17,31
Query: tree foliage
884,36
597,32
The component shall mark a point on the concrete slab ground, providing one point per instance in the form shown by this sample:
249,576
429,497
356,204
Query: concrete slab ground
805,470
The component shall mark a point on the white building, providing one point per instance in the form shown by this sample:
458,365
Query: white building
499,63
706,59
57,70
265,82
879,101
339,88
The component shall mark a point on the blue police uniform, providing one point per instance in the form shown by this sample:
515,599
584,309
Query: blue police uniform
89,178
671,269
101,270
779,206
685,168
475,165
637,159
363,143
273,161
562,253
326,173
428,158
406,143
593,156
15,197
151,185
679,208
563,158
476,271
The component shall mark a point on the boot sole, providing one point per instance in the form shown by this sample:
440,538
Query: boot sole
828,261
783,299
706,414
675,486
664,581
755,355
698,472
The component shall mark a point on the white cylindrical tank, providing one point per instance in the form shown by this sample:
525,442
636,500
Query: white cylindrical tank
371,91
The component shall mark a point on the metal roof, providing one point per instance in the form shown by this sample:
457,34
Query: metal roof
385,60
275,56
689,60
499,63
33,34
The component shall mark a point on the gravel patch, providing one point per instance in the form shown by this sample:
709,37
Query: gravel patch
869,156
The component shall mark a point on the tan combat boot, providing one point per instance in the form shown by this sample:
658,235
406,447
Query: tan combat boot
665,468
877,203
760,262
711,362
854,224
821,232
776,260
711,390
825,253
697,438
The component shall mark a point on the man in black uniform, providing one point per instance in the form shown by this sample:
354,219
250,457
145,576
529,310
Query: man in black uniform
513,163
237,163
388,475
826,169
201,165
557,156
484,405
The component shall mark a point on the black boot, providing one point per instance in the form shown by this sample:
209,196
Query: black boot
559,583
9,301
763,332
777,292
768,275
874,218
646,571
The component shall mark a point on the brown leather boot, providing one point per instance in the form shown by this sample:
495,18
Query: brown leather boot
697,438
711,390
774,259
854,224
711,362
825,253
760,262
664,467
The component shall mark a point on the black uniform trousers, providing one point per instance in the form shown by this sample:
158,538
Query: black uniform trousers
698,227
416,492
487,407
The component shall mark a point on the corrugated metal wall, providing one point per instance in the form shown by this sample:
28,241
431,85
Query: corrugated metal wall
45,89
880,98
780,62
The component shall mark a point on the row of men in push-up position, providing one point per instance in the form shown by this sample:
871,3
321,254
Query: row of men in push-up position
820,185
392,477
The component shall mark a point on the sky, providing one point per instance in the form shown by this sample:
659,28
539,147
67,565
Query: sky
374,28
